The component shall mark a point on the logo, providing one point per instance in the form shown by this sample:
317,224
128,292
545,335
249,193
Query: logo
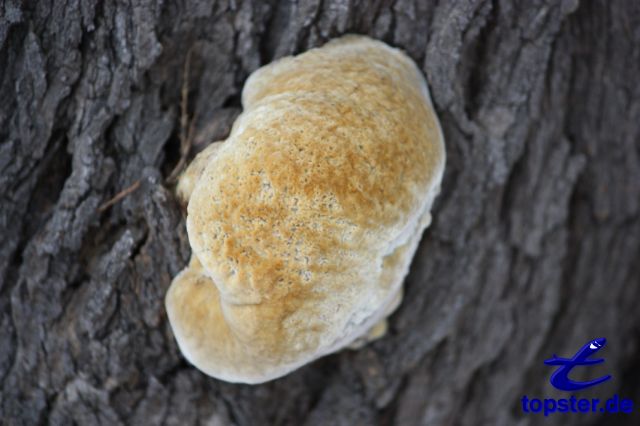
560,378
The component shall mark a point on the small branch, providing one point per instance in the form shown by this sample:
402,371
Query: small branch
186,128
119,196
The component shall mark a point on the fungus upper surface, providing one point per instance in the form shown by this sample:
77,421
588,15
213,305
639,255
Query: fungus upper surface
304,221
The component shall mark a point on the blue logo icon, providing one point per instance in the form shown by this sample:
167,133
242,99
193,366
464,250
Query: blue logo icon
560,378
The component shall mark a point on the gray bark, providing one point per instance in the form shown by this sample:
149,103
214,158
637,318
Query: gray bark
534,247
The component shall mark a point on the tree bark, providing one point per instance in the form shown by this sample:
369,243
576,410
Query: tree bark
534,248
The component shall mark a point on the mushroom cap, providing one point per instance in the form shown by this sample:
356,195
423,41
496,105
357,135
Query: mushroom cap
304,221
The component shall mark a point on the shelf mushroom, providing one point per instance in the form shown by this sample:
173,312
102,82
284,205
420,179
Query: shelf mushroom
304,221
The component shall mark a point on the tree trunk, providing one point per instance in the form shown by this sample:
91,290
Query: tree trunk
534,249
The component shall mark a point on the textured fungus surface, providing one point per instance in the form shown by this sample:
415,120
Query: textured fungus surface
304,221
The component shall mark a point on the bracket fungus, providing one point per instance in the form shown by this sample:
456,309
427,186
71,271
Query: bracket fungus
303,222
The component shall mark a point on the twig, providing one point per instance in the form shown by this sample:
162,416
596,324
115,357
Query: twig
186,128
119,196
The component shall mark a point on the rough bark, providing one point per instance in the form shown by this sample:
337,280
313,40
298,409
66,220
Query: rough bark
534,248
